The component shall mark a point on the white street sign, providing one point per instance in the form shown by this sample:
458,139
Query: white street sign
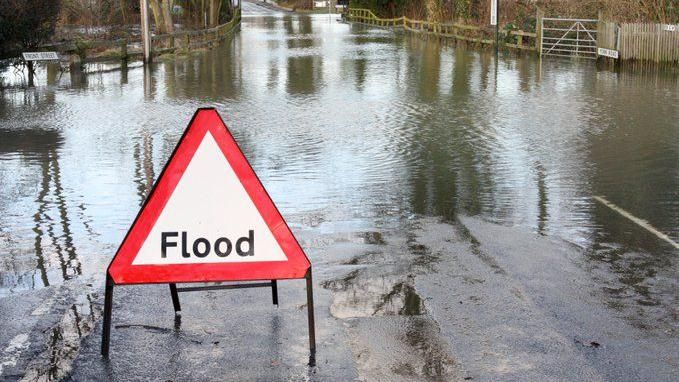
608,53
493,12
40,56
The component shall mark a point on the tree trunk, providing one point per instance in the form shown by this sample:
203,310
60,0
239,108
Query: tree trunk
219,11
167,16
157,16
123,10
212,13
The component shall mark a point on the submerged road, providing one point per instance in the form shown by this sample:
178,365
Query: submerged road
447,201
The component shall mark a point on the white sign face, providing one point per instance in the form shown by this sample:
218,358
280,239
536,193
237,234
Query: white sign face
670,28
493,12
209,218
607,53
40,56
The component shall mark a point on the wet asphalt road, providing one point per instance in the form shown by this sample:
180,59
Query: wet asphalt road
500,266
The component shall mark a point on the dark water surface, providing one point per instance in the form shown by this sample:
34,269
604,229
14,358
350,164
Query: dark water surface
352,124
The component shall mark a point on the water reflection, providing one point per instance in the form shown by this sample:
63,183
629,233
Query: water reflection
51,193
349,122
52,234
143,169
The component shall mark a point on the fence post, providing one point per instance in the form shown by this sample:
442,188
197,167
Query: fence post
123,49
658,33
145,30
538,31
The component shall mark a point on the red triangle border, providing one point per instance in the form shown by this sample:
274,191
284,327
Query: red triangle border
121,269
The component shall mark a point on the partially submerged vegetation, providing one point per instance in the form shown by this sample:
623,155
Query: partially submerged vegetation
29,24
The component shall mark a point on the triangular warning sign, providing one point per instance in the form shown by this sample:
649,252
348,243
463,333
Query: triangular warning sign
208,218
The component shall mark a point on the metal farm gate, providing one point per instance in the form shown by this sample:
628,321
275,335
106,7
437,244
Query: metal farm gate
568,38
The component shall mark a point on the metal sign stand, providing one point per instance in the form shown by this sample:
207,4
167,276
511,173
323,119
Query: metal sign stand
174,291
207,124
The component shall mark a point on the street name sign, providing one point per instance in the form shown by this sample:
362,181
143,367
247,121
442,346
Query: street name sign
40,56
608,52
208,218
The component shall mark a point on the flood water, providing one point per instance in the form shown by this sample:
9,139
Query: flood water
353,125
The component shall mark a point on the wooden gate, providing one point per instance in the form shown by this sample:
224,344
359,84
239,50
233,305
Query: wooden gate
568,38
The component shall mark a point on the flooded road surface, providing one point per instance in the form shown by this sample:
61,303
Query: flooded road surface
466,217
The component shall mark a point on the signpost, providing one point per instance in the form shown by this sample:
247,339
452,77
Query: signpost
29,57
208,218
493,12
495,20
145,30
607,53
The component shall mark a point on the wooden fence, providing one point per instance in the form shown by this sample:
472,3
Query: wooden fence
517,39
641,42
649,42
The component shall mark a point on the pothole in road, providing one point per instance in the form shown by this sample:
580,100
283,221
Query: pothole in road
393,337
359,296
402,349
373,237
384,285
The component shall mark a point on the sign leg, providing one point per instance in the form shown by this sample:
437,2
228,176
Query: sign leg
310,310
108,307
274,291
175,298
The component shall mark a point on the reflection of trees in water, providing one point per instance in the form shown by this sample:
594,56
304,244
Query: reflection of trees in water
51,222
46,226
447,173
543,199
461,163
215,74
304,74
430,69
143,166
360,69
304,67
